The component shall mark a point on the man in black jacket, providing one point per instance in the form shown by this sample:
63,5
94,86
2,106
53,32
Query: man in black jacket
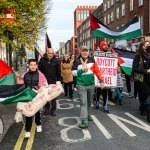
50,67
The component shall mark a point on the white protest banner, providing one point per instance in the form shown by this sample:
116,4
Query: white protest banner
107,63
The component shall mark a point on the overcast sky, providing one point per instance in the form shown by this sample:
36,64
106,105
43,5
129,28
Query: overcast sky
61,20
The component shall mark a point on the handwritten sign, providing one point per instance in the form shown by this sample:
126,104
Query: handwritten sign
107,63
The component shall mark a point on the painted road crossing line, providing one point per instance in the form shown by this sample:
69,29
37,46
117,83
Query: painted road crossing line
101,127
30,140
20,140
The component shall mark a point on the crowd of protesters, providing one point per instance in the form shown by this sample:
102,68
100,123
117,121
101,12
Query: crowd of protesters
76,73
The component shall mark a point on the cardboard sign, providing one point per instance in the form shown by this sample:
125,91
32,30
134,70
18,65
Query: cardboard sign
107,63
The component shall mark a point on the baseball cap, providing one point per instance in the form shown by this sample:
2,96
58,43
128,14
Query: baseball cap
84,48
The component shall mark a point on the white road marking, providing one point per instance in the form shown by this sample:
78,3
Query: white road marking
101,127
69,105
64,135
117,119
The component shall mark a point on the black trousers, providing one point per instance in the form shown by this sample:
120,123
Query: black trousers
128,83
53,105
28,124
74,82
142,96
66,86
106,93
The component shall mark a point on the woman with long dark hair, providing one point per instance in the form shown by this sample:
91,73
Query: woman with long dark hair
141,70
66,73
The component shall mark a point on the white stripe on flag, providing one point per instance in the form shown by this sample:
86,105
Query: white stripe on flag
131,28
127,62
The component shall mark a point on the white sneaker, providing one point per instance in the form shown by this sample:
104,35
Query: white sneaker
27,135
39,128
75,89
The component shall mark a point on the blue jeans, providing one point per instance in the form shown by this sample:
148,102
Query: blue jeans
118,94
86,94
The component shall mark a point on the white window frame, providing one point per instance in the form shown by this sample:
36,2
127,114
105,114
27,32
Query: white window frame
105,20
108,18
108,4
112,16
123,9
141,22
111,2
140,3
117,12
104,6
131,5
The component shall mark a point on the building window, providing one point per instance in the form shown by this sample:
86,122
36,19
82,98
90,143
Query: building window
117,27
105,20
112,16
123,9
79,15
141,22
108,4
108,19
104,6
112,2
85,14
117,13
140,2
131,5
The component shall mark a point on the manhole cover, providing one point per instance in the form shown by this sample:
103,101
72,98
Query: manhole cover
1,128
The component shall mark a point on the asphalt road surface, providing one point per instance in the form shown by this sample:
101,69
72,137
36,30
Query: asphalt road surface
122,129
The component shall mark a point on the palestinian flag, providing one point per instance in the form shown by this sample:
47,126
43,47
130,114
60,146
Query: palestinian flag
24,96
47,43
127,57
7,76
38,55
9,91
130,30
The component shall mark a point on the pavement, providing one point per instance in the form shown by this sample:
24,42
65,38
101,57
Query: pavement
7,112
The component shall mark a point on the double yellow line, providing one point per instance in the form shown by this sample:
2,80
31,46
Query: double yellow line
30,140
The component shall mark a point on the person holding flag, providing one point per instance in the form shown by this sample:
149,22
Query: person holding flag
33,79
84,68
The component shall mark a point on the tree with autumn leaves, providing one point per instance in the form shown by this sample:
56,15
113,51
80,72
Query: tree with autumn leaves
30,21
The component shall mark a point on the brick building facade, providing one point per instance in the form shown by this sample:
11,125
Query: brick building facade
117,13
83,32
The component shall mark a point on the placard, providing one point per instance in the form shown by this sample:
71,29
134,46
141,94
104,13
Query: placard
107,63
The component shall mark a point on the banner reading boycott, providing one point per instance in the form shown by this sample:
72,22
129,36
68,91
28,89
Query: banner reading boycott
107,63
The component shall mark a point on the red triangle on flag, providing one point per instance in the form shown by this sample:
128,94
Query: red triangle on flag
4,69
93,23
120,60
95,46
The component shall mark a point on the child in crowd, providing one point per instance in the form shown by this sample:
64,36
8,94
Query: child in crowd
34,79
119,87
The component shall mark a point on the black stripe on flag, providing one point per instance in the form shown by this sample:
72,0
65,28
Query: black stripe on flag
47,43
10,90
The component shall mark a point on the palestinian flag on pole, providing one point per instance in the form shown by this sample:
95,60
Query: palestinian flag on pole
127,57
38,55
47,43
23,96
9,91
7,76
130,30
